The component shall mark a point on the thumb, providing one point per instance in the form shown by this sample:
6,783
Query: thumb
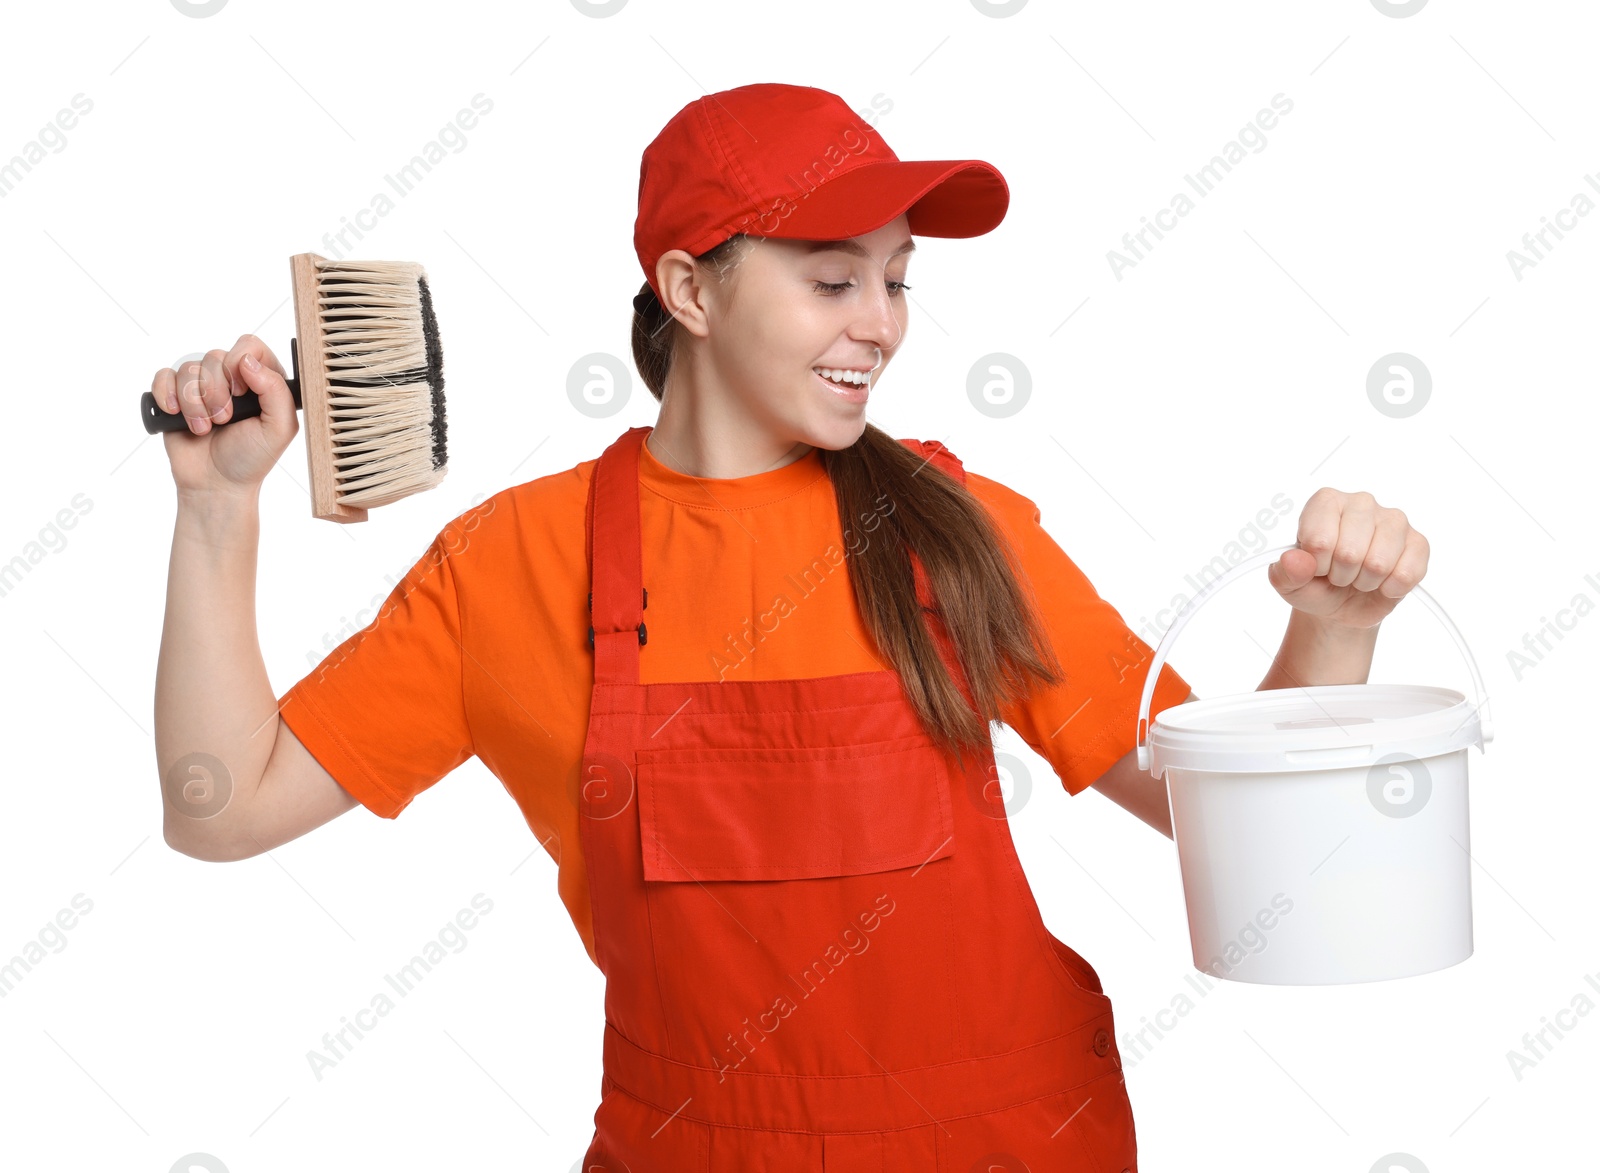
277,401
1283,576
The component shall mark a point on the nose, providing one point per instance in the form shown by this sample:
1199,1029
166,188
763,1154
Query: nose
875,320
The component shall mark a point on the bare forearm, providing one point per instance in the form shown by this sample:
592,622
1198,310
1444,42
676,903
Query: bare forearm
1138,791
215,717
1315,652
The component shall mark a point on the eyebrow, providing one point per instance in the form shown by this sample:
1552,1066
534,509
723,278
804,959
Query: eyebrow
854,247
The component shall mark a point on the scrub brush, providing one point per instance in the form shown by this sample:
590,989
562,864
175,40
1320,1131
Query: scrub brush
372,388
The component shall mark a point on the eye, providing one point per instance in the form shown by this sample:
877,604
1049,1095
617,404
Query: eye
834,288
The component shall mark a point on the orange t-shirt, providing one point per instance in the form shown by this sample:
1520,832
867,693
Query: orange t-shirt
482,648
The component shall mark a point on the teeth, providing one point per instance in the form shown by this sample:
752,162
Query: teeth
839,376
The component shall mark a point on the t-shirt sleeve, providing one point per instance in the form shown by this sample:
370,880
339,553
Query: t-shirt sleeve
384,711
1087,723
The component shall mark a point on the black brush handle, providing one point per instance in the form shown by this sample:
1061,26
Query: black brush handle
245,405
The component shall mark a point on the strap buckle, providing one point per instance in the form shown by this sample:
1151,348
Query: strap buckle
644,602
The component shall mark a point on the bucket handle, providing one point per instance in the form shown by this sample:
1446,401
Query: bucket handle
1260,559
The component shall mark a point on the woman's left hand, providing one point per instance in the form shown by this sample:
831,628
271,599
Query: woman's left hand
1355,559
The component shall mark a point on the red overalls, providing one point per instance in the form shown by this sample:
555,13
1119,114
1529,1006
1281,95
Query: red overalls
821,952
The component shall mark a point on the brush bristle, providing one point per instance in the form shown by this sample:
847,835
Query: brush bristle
380,342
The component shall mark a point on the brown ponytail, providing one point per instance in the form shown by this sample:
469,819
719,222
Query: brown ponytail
971,569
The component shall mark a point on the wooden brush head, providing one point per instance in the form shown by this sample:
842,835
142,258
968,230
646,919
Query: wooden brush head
371,382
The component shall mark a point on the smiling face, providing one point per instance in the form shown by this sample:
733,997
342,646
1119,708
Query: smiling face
794,340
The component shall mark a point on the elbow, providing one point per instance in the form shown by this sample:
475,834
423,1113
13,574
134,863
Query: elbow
207,849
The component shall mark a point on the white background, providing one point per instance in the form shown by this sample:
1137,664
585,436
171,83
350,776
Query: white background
1168,407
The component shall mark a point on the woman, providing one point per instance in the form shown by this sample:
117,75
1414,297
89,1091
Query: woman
768,785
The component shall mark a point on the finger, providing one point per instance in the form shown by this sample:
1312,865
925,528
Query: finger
1282,575
277,403
1388,541
218,385
250,344
1409,568
191,398
1319,527
164,387
1357,525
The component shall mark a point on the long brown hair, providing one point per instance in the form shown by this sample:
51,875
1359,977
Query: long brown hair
972,570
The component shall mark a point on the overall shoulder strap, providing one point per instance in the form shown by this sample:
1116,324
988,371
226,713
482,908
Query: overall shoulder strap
617,597
947,460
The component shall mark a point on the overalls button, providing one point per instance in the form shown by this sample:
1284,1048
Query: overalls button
1102,1042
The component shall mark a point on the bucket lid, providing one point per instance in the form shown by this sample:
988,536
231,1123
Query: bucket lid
1328,726
1415,716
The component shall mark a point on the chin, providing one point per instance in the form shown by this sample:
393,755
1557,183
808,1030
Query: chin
835,434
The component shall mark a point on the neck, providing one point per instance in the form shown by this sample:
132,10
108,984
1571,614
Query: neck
714,442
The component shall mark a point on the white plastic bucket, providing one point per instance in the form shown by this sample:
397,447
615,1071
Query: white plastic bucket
1321,831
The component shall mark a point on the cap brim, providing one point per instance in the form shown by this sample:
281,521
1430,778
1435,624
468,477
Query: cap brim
940,197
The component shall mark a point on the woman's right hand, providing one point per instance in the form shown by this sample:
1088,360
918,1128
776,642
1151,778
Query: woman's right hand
235,458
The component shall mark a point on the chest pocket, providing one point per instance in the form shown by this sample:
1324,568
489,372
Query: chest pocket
793,814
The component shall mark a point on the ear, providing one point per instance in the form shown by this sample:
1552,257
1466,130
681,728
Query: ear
682,286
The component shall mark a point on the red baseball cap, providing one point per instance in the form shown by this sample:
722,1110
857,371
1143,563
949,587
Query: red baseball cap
797,163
